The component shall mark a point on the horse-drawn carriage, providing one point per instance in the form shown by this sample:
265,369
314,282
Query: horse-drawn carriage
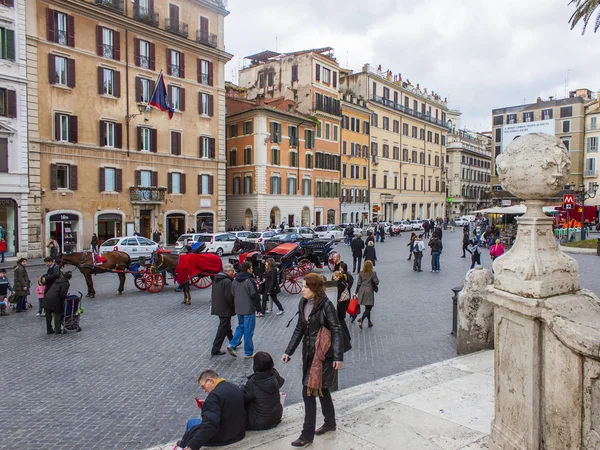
198,269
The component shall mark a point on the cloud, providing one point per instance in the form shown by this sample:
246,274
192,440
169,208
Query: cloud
481,54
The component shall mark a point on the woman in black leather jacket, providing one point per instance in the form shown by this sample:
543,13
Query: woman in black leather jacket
316,311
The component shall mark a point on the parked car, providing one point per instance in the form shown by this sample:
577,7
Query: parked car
307,232
330,232
287,237
417,225
180,242
461,222
260,236
241,235
219,243
134,246
404,225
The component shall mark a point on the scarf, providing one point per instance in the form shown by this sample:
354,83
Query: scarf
315,378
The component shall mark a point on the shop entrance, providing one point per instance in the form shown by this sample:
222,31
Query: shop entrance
63,228
318,218
8,225
109,226
175,227
291,222
205,223
275,217
145,223
305,217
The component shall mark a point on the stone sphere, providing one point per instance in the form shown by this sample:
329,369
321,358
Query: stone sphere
534,166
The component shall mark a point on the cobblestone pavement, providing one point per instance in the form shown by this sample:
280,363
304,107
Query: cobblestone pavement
129,379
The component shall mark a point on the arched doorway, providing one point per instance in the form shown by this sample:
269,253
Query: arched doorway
205,222
248,219
330,216
305,217
109,224
175,222
275,217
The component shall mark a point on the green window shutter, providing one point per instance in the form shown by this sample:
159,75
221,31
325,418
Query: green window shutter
279,133
10,45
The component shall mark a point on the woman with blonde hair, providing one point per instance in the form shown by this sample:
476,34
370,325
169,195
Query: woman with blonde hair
368,284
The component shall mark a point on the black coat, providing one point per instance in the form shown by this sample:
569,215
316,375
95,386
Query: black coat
21,282
223,419
54,298
271,281
221,298
323,314
357,245
370,254
51,276
436,245
262,400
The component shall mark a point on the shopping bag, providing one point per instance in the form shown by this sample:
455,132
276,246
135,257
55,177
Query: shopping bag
353,307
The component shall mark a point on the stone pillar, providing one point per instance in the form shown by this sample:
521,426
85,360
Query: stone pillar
475,314
547,331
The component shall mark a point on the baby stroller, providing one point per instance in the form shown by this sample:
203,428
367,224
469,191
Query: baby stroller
72,312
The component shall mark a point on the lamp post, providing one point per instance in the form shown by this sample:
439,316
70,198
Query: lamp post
141,108
584,195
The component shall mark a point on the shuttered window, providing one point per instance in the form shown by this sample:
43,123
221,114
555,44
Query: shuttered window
63,176
110,179
60,28
108,43
65,128
3,155
109,82
7,44
61,70
206,147
110,134
175,143
205,104
205,184
144,54
205,72
8,103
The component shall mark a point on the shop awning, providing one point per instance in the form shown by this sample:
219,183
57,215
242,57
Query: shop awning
517,209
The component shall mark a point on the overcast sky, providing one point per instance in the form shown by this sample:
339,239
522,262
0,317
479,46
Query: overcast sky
481,54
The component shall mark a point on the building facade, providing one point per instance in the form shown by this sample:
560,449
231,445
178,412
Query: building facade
563,118
356,120
270,165
468,162
103,164
592,139
310,79
14,158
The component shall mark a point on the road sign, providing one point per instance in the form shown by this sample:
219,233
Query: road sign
568,201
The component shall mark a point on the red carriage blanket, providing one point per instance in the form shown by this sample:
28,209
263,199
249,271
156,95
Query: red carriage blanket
192,264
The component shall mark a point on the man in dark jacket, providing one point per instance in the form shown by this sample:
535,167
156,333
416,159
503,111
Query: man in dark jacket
247,302
466,241
436,250
223,416
54,303
223,307
357,245
51,275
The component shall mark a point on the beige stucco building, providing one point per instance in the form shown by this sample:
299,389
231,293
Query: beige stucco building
99,162
592,139
407,148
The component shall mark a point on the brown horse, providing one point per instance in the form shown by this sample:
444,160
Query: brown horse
162,262
84,261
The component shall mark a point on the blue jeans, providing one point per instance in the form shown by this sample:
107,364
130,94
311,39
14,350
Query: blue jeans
435,261
40,305
245,328
22,303
192,423
348,240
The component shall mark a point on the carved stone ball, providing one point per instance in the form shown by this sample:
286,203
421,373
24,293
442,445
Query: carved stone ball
534,166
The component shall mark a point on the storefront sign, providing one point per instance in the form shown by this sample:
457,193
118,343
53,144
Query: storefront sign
63,217
7,202
110,218
205,203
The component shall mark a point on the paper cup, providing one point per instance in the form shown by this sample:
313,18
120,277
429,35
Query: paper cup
282,397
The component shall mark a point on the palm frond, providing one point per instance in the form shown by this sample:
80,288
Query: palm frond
584,9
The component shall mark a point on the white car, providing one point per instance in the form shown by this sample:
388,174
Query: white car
134,246
404,225
180,243
241,235
306,232
260,236
219,243
461,222
330,232
417,225
357,230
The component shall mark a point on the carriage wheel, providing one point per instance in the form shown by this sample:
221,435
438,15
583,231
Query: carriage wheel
292,280
306,266
140,282
202,282
154,283
330,262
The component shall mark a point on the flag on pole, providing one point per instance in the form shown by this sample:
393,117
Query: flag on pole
160,98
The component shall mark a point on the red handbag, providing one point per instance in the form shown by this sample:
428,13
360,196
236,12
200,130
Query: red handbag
353,307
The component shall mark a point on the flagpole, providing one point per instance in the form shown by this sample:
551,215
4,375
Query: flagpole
148,107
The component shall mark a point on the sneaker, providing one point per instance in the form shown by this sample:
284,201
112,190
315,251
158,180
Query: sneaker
268,311
231,351
249,356
260,314
280,312
38,314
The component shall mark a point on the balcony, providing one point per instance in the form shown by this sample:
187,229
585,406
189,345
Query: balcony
591,173
177,27
398,107
145,15
204,37
115,5
107,51
147,195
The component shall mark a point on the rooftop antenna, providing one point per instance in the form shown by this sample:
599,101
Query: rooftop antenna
567,82
347,59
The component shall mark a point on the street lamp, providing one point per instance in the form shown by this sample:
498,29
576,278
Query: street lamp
584,195
141,108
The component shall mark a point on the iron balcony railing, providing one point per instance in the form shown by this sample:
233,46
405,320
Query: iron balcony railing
115,5
398,107
145,15
144,62
204,37
147,195
107,51
61,37
176,26
175,70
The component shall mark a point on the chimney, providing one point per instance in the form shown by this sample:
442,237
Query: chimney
539,100
260,100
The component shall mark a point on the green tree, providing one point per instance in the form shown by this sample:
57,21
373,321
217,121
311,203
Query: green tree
584,9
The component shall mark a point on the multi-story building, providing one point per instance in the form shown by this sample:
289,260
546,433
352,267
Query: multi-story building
14,186
468,163
356,120
563,118
592,139
407,150
310,79
103,164
270,166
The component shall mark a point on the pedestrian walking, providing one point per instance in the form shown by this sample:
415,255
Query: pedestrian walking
54,303
348,232
496,250
22,285
156,236
40,295
436,250
247,303
343,296
357,245
466,241
418,248
370,238
367,285
337,260
271,288
4,288
94,243
2,249
370,254
382,232
475,253
53,248
319,330
222,306
410,245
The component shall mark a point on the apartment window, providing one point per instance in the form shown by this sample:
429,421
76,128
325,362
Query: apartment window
405,183
248,127
386,151
108,179
511,118
327,131
437,160
366,127
175,183
60,70
233,157
414,156
306,186
276,184
422,134
206,147
344,171
593,123
415,132
177,98
566,111
546,114
396,155
386,123
404,154
175,143
275,156
293,159
423,184
395,181
7,44
396,126
429,136
236,185
108,82
108,134
145,178
145,139
145,54
429,159
326,76
415,106
528,116
248,156
248,184
65,128
309,139
8,103
567,144
498,135
335,132
233,130
309,161
374,180
295,72
405,129
106,43
319,192
60,28
422,158
592,145
414,184
364,174
144,88
205,184
385,181
175,63
291,186
62,176
374,120
293,135
429,184
498,120
566,126
319,129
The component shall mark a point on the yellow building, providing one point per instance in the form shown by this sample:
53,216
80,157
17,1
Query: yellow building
99,162
356,123
408,138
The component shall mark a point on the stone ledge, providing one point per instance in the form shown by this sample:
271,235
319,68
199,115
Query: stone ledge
581,251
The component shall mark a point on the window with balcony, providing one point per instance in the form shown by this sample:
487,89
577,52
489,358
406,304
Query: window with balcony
144,54
145,178
60,28
175,63
143,10
7,44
